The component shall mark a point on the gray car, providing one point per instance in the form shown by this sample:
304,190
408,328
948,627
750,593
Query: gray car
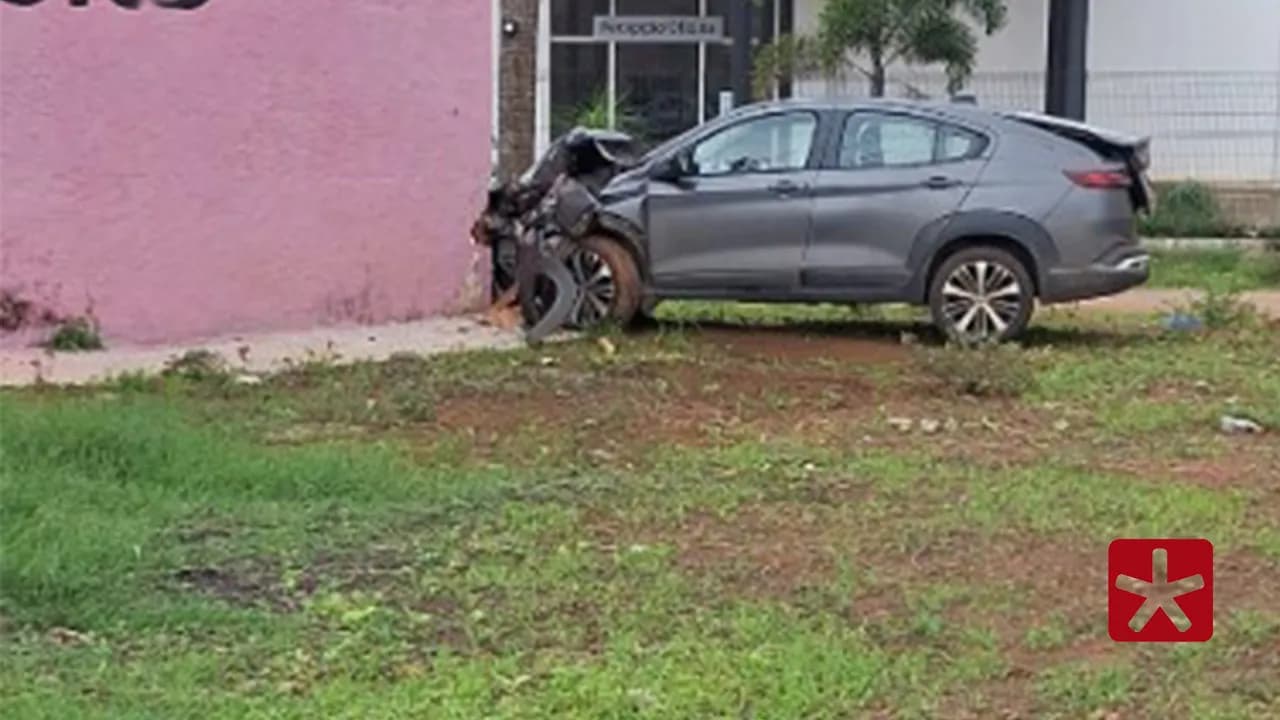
974,213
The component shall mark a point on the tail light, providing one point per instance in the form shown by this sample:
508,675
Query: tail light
1100,179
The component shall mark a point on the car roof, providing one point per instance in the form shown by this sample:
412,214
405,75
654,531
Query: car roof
956,110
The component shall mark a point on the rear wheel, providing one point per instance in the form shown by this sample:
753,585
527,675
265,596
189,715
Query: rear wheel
981,294
609,281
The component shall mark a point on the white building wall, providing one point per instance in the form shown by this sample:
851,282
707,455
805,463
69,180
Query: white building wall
1202,77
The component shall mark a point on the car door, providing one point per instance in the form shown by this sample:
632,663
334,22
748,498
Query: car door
892,181
738,218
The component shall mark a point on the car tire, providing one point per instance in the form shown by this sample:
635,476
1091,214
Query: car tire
981,294
614,296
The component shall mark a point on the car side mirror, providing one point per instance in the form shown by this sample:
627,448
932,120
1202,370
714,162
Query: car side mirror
673,168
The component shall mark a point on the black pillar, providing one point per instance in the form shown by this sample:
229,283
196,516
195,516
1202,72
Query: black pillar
786,26
1066,71
740,56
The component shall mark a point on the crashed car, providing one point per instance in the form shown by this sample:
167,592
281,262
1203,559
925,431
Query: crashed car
976,214
551,242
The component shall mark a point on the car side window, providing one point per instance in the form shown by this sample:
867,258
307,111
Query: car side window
767,144
873,140
957,143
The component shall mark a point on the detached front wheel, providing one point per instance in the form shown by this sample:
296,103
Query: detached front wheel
608,282
982,294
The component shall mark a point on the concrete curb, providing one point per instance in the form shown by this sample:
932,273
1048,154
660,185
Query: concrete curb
1207,243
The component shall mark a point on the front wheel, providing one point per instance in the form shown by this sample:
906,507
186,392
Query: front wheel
982,294
608,281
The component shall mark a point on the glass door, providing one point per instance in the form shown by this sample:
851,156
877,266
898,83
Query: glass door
657,89
658,83
652,90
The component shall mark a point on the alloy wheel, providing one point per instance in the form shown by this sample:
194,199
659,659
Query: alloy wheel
597,287
598,290
981,299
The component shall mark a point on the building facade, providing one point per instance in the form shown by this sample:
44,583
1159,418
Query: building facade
246,165
1202,78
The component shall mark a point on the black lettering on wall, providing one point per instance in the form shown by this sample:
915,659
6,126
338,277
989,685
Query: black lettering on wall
126,4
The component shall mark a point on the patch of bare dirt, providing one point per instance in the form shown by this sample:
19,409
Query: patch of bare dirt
788,343
263,583
762,550
1244,468
693,404
498,415
243,587
1251,463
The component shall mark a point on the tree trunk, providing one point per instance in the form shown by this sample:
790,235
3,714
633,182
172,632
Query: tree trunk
517,91
877,77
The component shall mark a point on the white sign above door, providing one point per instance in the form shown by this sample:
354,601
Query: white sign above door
658,28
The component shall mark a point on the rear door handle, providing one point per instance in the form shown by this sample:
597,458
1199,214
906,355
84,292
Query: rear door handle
940,182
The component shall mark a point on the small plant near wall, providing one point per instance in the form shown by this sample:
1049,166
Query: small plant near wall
594,114
79,334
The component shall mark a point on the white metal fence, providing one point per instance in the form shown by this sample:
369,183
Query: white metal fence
1204,125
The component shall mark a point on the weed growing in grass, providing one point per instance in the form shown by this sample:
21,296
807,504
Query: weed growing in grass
983,370
1050,635
197,365
1220,309
1078,691
75,335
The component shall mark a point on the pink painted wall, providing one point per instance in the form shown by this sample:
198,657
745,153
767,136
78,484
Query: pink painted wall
251,165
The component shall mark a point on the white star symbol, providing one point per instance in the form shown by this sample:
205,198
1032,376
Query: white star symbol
1160,593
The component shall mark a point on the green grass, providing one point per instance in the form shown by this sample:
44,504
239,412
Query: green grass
187,547
1222,269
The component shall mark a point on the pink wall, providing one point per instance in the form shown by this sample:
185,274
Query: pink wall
251,165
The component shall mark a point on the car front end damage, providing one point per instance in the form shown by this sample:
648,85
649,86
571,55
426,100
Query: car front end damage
535,226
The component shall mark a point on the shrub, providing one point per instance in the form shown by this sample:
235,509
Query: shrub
1188,209
75,335
983,370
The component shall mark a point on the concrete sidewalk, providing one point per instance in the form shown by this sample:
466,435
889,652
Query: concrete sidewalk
260,353
269,352
1152,300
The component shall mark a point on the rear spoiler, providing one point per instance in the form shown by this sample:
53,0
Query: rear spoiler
1132,150
1129,150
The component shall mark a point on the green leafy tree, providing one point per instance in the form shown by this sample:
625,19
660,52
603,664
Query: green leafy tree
870,35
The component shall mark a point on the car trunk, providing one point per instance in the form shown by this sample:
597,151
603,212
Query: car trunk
1134,153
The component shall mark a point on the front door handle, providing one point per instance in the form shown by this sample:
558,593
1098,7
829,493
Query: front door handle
940,182
785,187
